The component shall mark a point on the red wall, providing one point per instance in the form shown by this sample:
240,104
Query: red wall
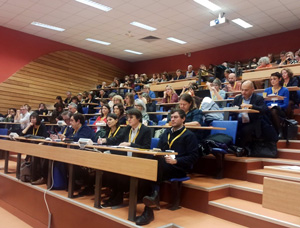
242,51
18,49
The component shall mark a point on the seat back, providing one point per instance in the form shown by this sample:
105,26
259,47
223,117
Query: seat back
231,128
3,131
85,110
154,143
161,122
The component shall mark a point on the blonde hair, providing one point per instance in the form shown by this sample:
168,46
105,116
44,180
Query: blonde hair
118,97
170,87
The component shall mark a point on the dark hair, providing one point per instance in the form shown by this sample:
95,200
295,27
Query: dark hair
189,99
180,112
282,53
79,117
59,105
107,106
114,116
135,112
279,76
228,71
75,98
38,118
104,101
131,98
194,86
59,98
42,104
15,110
121,107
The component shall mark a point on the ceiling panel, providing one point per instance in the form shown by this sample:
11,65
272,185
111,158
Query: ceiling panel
182,19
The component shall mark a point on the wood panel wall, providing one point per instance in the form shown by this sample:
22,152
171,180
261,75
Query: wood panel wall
52,75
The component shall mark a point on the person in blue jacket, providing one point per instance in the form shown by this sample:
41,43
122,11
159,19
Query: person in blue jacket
277,107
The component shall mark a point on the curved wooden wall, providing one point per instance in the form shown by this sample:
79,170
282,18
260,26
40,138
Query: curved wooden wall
53,74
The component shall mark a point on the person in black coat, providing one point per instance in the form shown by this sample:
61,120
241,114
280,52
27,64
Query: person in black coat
249,126
134,135
185,143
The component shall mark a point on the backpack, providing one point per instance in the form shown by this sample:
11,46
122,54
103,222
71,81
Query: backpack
25,171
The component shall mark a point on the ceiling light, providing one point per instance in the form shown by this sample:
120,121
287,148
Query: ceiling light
176,40
147,27
242,23
98,41
95,5
134,52
208,4
47,26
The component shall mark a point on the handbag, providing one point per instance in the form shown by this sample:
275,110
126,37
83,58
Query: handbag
25,171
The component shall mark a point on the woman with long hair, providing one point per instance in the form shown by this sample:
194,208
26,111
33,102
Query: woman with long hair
119,110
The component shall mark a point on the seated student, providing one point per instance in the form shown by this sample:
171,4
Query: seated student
105,110
148,91
151,107
289,80
288,59
40,165
68,99
66,131
206,105
22,117
178,75
215,90
134,135
249,125
72,107
120,112
102,94
59,108
181,140
264,62
91,99
75,100
190,73
190,89
42,109
141,106
77,122
117,99
59,101
170,96
278,107
233,84
129,101
10,116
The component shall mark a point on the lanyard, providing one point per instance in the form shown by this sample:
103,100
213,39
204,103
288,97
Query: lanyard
276,92
35,132
65,131
109,135
170,144
74,132
135,135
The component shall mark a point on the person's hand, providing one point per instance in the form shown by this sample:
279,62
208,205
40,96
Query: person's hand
165,94
124,144
246,106
30,124
170,160
61,136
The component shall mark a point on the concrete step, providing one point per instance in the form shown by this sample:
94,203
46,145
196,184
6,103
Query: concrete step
251,214
257,176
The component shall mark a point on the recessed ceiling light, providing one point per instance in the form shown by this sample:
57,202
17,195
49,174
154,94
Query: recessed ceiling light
147,27
95,5
208,4
47,26
133,52
98,41
176,40
242,23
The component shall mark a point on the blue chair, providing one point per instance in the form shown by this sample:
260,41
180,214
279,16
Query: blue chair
85,110
154,143
92,121
161,122
3,131
231,130
176,185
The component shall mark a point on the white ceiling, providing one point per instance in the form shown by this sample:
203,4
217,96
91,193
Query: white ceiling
182,19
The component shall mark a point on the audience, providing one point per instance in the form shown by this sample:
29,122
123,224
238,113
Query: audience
68,99
264,62
170,96
190,73
120,112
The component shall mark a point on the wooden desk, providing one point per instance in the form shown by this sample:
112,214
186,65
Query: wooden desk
265,73
130,166
158,113
86,104
189,127
45,116
177,85
274,98
92,114
227,111
291,88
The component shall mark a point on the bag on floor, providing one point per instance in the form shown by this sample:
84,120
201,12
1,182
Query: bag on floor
25,171
262,149
60,181
290,129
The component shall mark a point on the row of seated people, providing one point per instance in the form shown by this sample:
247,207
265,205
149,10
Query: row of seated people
137,134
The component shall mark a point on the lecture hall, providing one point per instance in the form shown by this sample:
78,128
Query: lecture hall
147,113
